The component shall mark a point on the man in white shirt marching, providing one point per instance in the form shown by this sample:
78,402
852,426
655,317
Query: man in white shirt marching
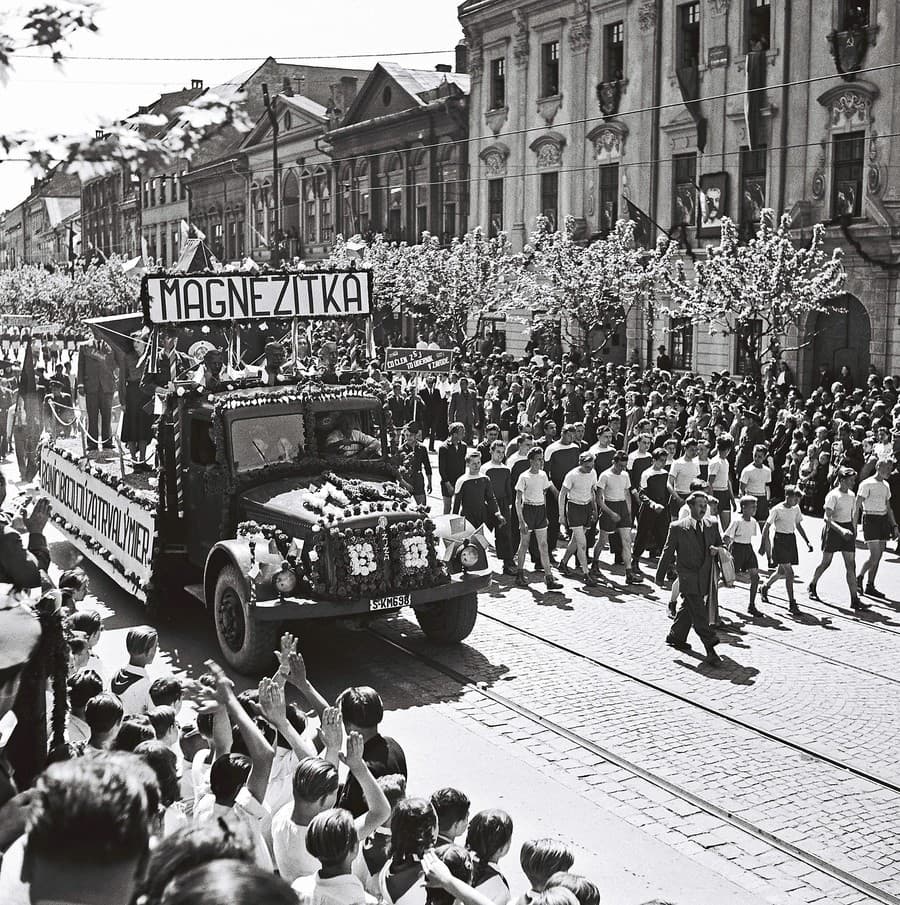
873,499
577,511
682,473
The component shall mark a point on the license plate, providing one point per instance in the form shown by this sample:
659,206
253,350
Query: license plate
390,603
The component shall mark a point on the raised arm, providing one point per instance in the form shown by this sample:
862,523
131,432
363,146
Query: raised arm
274,709
379,807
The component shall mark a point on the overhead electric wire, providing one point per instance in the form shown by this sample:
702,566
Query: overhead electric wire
254,59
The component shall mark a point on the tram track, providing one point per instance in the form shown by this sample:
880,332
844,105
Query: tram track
699,801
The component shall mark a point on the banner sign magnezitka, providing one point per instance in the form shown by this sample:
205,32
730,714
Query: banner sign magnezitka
125,529
189,298
421,361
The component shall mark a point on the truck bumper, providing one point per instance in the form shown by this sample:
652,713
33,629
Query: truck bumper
295,608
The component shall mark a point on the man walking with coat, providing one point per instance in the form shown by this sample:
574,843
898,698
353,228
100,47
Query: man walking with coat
464,408
692,544
97,383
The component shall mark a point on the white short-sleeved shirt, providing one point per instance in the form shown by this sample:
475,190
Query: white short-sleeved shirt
876,496
580,486
246,810
742,531
840,505
785,520
132,685
289,846
533,487
719,470
683,473
614,487
756,479
342,890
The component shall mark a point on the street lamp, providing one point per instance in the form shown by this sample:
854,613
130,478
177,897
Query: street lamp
274,244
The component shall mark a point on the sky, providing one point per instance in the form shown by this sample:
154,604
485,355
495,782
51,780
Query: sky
77,97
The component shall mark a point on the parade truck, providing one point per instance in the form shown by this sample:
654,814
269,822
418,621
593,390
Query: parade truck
275,499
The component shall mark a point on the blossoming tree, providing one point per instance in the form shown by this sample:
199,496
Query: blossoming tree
595,285
758,291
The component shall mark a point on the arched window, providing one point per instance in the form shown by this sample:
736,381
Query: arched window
323,196
394,198
310,233
450,190
348,206
421,181
363,198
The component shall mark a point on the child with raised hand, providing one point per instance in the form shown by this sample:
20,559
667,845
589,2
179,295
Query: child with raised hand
786,519
237,782
488,839
131,683
375,850
540,860
738,538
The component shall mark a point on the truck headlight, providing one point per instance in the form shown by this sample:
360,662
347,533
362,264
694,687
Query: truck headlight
468,556
285,579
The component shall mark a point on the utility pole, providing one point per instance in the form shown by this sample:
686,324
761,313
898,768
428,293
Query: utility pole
275,239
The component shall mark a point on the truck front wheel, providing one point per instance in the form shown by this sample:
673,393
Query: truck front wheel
449,622
246,643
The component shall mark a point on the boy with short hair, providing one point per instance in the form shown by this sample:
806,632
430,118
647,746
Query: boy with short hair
162,719
83,686
473,494
103,713
452,809
166,691
375,851
540,860
756,479
90,624
500,476
131,683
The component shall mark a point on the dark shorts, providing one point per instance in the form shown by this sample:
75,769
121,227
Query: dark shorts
835,542
762,509
784,550
744,557
535,516
876,527
620,507
578,515
723,498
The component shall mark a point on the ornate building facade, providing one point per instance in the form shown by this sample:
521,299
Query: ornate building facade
691,110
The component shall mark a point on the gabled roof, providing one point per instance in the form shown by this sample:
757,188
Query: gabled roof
311,111
421,86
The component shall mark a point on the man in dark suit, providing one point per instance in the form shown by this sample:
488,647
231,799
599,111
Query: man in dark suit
464,408
692,544
432,411
97,382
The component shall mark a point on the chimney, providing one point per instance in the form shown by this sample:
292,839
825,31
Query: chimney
99,133
349,86
143,109
443,67
462,57
196,84
286,87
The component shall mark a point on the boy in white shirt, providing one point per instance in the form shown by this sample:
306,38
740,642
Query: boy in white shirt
131,683
738,538
531,510
873,498
756,479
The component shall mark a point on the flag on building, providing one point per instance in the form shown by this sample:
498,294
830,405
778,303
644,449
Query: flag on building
643,225
754,95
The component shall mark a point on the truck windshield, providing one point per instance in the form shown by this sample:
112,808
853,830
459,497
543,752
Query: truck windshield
351,434
266,439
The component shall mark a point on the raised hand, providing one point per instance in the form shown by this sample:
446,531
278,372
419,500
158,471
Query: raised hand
224,688
272,703
332,729
354,756
36,521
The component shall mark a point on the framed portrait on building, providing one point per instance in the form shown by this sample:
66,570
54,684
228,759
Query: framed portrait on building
713,203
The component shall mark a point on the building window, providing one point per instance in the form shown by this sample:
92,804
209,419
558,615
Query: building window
325,226
759,20
846,189
309,219
550,197
152,192
753,189
749,346
450,188
688,47
684,190
681,343
550,69
184,190
162,189
854,14
495,207
498,83
146,193
614,52
608,196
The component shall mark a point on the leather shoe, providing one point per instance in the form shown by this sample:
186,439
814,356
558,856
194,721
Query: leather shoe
712,658
680,645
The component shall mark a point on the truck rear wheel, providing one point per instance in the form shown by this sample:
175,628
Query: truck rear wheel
450,622
247,644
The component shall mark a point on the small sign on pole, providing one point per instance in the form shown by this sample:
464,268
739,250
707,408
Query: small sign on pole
418,361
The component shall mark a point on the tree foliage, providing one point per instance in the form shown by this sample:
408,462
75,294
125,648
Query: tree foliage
128,144
768,282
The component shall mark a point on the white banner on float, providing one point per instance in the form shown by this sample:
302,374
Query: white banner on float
193,299
124,528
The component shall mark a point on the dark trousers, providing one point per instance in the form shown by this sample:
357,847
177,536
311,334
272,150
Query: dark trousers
552,521
651,532
693,613
25,440
99,415
515,537
503,535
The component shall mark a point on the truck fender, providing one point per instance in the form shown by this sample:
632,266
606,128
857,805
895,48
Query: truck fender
236,552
